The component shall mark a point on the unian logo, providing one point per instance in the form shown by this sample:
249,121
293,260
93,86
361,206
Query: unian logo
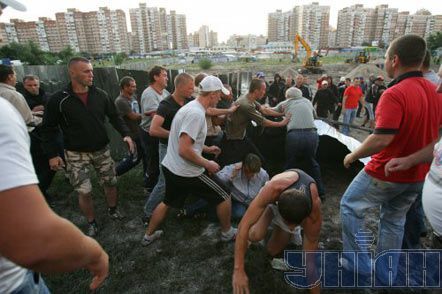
364,268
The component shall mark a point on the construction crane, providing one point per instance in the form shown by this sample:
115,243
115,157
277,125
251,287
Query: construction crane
310,63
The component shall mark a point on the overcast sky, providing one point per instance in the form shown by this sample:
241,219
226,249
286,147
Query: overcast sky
227,17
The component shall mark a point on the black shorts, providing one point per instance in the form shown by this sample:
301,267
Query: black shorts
203,186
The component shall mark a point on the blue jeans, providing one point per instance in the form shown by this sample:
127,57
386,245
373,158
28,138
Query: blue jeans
32,284
158,192
394,200
414,225
201,205
301,147
238,209
349,117
131,160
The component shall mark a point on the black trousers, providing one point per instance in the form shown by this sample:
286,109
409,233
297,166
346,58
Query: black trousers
41,164
152,158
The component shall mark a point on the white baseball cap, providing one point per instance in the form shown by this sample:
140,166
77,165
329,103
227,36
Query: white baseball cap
212,84
14,4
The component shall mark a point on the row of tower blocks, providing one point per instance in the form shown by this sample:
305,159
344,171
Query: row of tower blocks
153,29
357,25
102,31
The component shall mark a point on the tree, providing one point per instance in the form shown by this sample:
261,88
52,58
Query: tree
205,63
434,41
66,54
29,53
119,58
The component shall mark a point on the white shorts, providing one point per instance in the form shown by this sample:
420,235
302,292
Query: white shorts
432,204
279,221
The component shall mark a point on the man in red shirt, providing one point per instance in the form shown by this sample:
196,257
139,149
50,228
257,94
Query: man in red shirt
407,119
352,95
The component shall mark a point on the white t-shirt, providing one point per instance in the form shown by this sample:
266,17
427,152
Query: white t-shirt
432,192
16,170
150,99
190,119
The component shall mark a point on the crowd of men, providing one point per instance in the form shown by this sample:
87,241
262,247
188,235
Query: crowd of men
193,142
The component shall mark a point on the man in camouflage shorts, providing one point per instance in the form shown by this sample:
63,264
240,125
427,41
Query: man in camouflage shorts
80,110
78,168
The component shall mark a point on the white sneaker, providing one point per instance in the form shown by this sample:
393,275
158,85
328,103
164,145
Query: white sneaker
147,240
230,235
296,238
279,264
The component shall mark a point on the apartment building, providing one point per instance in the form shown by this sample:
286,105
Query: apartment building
156,30
8,34
309,21
358,25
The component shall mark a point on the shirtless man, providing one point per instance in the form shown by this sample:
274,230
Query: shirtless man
287,200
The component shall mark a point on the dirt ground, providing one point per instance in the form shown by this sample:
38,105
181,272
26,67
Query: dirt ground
189,258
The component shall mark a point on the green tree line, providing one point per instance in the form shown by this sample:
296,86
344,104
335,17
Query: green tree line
30,53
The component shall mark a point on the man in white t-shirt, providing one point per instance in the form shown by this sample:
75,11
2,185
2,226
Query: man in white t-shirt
185,170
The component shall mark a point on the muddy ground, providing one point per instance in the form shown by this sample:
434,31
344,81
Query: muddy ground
189,258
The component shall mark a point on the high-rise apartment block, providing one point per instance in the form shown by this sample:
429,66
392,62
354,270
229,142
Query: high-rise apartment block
310,21
95,32
155,30
358,25
103,31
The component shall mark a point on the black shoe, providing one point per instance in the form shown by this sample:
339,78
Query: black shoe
145,219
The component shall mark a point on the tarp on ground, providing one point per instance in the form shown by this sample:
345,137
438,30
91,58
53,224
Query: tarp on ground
324,129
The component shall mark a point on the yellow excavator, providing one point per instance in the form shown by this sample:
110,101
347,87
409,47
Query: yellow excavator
310,63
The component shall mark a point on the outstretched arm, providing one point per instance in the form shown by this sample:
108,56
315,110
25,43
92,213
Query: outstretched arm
312,230
266,195
30,241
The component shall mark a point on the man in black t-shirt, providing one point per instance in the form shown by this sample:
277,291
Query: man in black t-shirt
160,127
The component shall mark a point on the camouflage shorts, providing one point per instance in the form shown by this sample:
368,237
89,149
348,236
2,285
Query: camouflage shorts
78,165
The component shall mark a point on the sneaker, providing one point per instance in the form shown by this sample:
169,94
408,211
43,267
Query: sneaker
116,214
145,219
147,240
229,236
279,264
92,230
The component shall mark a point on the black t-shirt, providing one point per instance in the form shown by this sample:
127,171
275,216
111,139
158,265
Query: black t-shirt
167,109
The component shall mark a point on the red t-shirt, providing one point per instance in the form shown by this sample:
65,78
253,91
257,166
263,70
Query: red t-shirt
83,97
412,110
353,95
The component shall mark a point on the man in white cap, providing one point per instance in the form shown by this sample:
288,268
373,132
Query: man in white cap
185,170
33,238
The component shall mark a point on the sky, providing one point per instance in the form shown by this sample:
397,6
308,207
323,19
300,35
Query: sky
227,17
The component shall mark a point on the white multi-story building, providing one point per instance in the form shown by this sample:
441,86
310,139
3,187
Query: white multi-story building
155,30
358,25
8,34
310,21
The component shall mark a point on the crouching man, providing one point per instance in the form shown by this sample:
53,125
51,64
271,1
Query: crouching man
287,200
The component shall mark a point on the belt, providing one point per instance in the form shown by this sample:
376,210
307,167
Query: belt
303,130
